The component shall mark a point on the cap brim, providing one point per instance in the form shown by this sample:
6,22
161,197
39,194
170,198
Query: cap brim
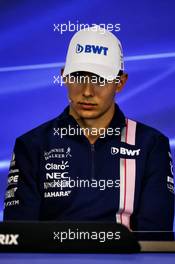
100,70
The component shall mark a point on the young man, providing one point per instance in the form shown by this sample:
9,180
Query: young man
92,163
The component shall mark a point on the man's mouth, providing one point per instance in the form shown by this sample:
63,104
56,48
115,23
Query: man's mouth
87,105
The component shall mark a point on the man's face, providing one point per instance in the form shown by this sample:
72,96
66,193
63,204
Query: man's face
90,95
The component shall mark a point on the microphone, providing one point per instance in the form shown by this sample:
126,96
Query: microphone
69,99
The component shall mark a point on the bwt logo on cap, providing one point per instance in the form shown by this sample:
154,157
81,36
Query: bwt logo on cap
91,49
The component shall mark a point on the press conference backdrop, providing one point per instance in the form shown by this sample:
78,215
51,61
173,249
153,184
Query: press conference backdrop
32,53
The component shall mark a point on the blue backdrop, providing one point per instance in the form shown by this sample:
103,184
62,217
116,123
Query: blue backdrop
31,53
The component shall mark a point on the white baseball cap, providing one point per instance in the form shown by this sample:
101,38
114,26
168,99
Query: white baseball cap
94,50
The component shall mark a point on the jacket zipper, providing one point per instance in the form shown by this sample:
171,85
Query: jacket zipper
92,161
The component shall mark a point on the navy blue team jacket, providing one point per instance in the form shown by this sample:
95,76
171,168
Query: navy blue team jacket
125,177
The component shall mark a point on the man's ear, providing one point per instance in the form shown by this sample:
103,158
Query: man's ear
123,80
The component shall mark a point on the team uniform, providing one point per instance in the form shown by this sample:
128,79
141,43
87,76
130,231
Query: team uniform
126,176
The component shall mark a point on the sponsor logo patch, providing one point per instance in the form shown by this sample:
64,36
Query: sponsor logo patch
95,49
125,151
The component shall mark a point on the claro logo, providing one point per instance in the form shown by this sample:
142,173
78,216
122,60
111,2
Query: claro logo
91,49
125,151
9,239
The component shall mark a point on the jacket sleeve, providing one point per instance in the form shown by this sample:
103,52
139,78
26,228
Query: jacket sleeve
156,210
22,197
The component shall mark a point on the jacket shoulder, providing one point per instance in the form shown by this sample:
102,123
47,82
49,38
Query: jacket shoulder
40,131
148,132
144,128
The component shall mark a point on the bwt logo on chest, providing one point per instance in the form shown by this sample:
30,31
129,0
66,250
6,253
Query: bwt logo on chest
91,49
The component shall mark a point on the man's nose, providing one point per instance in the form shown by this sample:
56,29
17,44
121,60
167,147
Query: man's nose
88,90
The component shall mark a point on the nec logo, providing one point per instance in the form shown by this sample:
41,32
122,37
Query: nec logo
57,175
8,239
91,49
125,151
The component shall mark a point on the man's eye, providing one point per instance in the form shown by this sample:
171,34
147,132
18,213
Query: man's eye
101,81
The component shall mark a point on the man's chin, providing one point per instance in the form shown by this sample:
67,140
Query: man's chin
88,114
